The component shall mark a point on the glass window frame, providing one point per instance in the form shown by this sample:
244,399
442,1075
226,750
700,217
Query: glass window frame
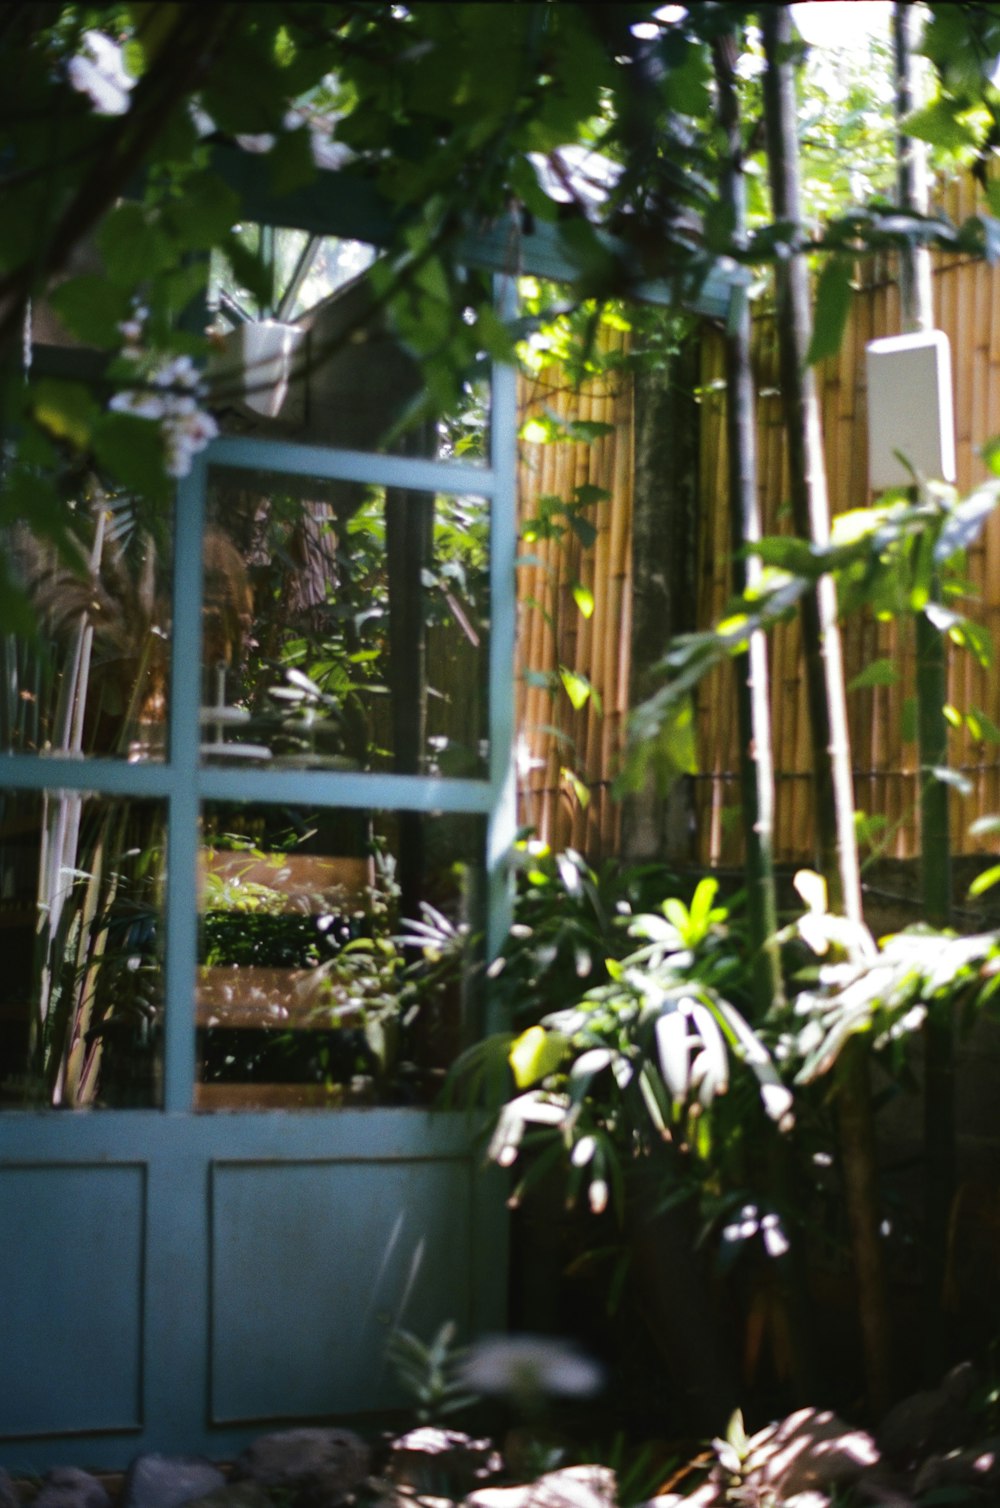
184,782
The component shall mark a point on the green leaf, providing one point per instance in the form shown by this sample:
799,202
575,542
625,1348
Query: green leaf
701,905
91,308
206,214
833,305
584,599
17,614
494,334
939,123
788,553
585,531
666,746
132,246
290,163
32,499
535,1054
908,721
986,729
588,430
687,82
132,449
576,686
878,673
984,881
524,181
66,410
869,829
587,494
249,269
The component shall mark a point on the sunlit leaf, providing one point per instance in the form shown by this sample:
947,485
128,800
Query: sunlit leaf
984,881
584,599
535,1054
576,686
876,673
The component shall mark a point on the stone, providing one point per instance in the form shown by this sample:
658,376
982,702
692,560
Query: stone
961,1382
925,1421
881,1493
570,1487
8,1492
328,1462
246,1494
935,1420
440,1461
976,1466
68,1487
155,1481
708,1494
811,1450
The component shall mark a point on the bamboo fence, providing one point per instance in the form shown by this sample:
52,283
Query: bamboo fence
567,755
967,308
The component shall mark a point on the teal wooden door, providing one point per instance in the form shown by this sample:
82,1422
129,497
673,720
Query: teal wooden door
205,1247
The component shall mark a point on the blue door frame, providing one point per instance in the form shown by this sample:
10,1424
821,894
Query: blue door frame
179,1281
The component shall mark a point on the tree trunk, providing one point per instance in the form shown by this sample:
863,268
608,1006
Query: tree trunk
833,799
664,555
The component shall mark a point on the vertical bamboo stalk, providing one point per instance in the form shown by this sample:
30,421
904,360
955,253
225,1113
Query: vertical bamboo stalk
932,688
751,669
834,806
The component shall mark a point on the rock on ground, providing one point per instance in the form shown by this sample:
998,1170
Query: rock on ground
976,1466
811,1450
329,1463
68,1487
933,1420
235,1495
155,1481
445,1462
570,1487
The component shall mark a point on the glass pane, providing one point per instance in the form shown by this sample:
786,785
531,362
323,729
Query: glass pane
310,355
94,679
344,626
81,990
337,954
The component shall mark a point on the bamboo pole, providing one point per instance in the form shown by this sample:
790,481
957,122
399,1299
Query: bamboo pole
932,688
756,759
834,814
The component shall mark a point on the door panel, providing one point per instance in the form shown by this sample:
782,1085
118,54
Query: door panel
71,1318
177,1301
313,1265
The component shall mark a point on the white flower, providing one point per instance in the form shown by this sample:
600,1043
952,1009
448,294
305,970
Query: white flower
186,428
260,143
185,434
326,153
139,405
201,120
529,1366
99,72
